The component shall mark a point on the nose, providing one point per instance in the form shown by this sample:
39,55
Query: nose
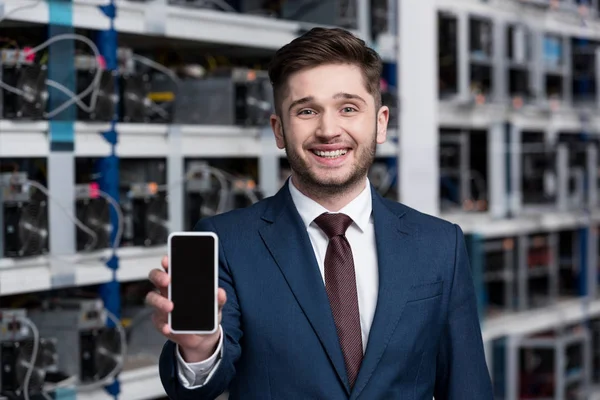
329,126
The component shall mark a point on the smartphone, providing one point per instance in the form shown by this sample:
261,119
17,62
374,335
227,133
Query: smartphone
193,268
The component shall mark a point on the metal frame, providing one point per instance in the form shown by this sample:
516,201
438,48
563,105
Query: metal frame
559,344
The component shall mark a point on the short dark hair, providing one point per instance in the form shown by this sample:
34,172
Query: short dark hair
321,46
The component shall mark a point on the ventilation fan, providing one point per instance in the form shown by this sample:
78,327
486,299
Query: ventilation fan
157,220
95,214
106,99
26,228
260,101
381,177
134,93
46,357
32,81
108,353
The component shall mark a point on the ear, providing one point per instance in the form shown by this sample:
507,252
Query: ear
383,116
277,127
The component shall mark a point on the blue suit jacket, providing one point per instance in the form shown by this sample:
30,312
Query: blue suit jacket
280,337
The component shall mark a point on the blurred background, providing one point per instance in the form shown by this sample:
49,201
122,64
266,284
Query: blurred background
124,120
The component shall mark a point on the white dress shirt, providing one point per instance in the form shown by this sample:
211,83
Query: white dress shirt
360,235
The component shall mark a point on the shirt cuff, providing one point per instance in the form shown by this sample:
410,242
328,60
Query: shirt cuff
195,375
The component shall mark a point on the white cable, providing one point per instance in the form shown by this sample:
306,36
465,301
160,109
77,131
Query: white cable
120,219
120,360
156,66
27,6
93,87
66,91
11,89
36,343
77,222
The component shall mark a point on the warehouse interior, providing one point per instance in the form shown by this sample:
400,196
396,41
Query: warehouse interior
124,120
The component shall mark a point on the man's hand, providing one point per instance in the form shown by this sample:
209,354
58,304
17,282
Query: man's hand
193,348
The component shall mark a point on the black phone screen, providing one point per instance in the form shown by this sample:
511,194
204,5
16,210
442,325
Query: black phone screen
192,266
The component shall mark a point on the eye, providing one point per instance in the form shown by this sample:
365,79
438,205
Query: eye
348,109
306,112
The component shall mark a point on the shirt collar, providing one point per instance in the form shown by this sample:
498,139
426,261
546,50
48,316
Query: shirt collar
358,209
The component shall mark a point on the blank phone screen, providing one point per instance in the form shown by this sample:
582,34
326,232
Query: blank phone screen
192,268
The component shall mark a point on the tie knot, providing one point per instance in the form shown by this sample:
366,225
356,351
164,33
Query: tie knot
333,224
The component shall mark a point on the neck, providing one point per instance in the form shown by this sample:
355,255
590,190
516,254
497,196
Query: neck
333,199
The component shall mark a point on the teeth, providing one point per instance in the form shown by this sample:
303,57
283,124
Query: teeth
330,154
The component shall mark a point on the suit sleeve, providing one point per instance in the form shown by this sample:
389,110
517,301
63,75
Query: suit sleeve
462,372
230,324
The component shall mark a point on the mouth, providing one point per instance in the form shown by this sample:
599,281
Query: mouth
333,154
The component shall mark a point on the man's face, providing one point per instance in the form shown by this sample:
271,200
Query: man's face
329,127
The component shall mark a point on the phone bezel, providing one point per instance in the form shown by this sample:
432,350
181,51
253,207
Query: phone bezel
216,280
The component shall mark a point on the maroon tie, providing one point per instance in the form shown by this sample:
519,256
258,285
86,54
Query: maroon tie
340,283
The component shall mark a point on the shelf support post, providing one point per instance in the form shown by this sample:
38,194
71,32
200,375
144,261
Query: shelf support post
109,171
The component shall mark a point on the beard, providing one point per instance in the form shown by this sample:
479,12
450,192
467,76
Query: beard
332,185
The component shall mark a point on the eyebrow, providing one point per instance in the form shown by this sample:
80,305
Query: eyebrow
341,95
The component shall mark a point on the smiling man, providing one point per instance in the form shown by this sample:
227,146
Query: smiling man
328,290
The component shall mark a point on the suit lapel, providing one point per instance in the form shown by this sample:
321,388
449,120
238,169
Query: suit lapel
289,244
397,256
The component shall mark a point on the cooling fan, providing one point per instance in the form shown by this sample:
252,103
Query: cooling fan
32,82
259,100
106,99
134,98
32,227
348,13
46,357
381,177
157,220
108,353
94,214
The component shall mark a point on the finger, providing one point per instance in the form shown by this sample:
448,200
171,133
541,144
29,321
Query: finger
159,278
165,263
159,302
160,323
221,298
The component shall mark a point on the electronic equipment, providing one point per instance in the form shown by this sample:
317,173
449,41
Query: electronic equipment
463,171
25,217
146,214
519,57
481,52
87,349
162,92
539,171
194,270
144,202
342,13
133,89
94,212
29,96
104,106
448,85
210,191
221,5
232,96
382,18
389,98
16,352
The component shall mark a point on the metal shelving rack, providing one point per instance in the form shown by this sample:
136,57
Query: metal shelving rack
508,51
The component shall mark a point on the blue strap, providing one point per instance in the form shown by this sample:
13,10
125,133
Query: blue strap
61,69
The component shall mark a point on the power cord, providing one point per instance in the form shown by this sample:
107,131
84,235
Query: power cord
34,353
92,89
